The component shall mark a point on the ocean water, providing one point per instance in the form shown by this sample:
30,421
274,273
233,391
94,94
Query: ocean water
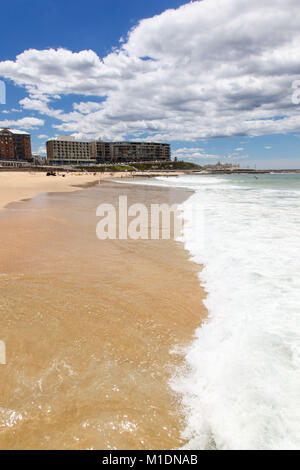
240,386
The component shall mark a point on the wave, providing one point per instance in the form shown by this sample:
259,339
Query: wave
241,380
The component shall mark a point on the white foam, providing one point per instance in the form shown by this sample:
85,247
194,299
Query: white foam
240,387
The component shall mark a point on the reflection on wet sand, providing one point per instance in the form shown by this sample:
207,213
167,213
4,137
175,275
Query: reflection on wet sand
88,326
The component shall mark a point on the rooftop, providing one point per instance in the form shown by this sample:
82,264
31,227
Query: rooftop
14,131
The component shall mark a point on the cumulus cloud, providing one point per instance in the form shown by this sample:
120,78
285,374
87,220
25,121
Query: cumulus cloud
41,151
210,68
13,110
24,123
193,154
87,107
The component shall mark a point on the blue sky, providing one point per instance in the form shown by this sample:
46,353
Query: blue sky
214,82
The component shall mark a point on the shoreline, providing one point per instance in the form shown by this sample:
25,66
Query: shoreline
18,186
113,310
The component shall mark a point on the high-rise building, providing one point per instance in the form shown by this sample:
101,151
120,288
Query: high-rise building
67,150
15,145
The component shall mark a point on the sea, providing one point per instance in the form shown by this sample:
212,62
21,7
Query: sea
240,384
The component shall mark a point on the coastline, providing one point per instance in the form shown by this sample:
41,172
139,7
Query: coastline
21,186
113,310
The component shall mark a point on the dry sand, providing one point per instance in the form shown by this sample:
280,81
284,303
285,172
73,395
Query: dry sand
89,325
17,186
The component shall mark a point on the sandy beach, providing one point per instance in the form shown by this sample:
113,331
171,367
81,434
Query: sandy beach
18,186
89,324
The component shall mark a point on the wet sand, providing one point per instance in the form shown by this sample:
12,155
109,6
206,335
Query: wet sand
89,325
23,185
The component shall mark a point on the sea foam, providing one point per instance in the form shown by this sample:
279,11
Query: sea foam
241,381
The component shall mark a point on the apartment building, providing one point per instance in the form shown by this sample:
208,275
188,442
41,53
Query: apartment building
7,149
141,151
66,150
15,145
102,151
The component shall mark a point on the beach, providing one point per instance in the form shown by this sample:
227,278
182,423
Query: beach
91,327
18,185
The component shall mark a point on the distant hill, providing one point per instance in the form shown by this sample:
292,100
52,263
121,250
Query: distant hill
166,166
149,166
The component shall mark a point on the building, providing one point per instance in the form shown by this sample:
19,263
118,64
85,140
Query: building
67,150
223,166
102,151
15,145
141,151
7,149
38,159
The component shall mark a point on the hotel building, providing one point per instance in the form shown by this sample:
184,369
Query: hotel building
15,145
102,151
141,151
67,150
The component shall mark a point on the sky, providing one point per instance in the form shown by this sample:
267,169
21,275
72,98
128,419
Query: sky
217,79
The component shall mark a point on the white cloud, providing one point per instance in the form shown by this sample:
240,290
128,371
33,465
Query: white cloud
268,147
207,69
24,123
87,107
41,151
13,110
195,153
